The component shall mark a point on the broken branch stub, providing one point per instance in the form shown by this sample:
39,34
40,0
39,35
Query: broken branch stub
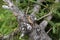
36,10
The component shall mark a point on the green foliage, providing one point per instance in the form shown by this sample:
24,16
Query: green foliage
8,21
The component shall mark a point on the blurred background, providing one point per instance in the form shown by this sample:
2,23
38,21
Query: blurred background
8,22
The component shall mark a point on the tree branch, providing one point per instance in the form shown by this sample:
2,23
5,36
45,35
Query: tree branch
13,8
44,23
35,10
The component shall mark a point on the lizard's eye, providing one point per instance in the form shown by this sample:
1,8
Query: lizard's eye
29,27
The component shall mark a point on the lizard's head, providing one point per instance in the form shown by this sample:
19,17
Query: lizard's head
25,28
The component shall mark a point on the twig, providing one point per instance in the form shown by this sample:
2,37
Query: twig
44,16
27,10
44,23
39,3
49,30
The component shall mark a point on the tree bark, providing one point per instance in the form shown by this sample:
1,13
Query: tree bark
27,23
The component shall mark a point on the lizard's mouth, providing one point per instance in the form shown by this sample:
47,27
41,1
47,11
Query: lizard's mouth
26,28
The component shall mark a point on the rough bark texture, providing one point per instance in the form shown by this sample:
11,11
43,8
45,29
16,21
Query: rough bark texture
27,23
